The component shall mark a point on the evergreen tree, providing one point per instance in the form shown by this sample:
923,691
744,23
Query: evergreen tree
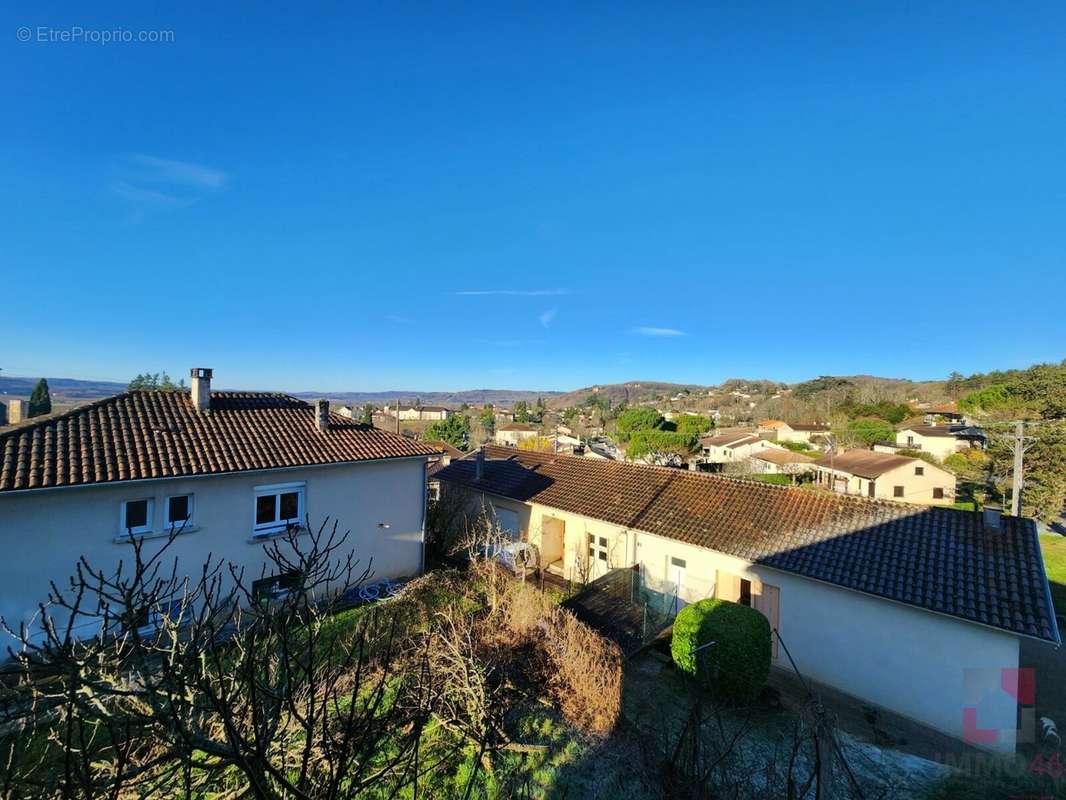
368,414
40,400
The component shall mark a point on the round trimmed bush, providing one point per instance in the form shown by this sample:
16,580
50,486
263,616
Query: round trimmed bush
737,664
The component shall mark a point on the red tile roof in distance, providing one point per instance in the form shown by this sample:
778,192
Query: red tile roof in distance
153,434
938,559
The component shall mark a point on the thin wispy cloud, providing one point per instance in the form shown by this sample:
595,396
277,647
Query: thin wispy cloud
511,292
149,183
149,198
183,173
648,331
547,317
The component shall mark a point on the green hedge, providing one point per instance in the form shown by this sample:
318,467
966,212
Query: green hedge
642,443
737,665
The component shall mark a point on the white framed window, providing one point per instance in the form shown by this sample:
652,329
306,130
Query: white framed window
135,517
277,507
178,512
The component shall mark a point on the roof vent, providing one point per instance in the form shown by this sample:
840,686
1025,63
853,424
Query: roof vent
201,388
322,414
993,518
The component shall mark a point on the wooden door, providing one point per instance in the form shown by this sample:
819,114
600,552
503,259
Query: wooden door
767,599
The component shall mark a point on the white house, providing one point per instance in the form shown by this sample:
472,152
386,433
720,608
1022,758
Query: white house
905,607
513,433
732,448
883,475
419,412
779,461
230,470
939,441
795,432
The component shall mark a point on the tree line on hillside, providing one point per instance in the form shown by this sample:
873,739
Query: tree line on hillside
1036,395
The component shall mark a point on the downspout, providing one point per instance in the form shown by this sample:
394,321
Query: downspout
425,511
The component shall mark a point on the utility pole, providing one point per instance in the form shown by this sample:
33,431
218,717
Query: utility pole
1019,469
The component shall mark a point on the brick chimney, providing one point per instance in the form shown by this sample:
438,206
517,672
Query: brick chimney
322,414
201,388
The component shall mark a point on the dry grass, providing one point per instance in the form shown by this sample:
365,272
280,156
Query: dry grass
585,673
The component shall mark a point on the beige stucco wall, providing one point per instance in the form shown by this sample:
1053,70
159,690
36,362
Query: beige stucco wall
916,488
771,468
901,658
721,454
421,414
939,446
45,532
512,438
787,434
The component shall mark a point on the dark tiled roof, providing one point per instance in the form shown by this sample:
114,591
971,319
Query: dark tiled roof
864,463
938,559
516,426
140,435
930,430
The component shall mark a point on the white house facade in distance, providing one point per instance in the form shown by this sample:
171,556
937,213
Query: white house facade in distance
780,461
732,448
514,432
940,441
230,470
886,476
802,434
432,413
900,606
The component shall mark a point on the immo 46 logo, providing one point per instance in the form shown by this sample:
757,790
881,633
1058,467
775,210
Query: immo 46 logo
999,706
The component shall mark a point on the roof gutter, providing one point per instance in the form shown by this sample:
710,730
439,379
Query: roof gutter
1047,585
639,532
202,475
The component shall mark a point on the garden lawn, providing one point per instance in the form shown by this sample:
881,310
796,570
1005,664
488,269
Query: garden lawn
1054,549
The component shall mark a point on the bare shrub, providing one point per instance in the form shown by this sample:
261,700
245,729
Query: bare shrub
584,673
519,615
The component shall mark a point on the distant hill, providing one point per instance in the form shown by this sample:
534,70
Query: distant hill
469,396
73,391
63,389
631,391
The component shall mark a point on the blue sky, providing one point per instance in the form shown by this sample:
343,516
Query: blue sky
344,196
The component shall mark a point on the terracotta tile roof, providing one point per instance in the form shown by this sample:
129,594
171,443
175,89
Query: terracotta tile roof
780,456
441,446
772,423
516,426
150,434
817,428
938,559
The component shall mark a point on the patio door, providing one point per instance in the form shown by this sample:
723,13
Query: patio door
598,559
676,572
763,597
